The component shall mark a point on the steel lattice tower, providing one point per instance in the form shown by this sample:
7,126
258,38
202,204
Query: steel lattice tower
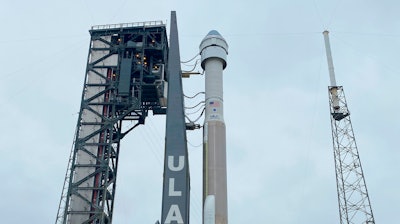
353,199
354,203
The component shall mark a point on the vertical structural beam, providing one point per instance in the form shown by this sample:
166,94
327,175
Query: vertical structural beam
175,204
333,90
329,58
213,50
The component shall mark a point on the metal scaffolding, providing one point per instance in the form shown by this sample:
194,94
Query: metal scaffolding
125,79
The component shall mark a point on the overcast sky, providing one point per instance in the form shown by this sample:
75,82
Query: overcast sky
279,146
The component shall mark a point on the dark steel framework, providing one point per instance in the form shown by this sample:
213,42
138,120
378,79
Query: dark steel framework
125,79
354,202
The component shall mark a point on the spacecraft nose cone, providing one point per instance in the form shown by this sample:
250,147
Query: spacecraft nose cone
213,32
214,38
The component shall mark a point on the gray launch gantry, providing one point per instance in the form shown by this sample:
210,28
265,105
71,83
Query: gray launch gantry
130,71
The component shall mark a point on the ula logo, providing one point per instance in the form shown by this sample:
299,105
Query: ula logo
174,213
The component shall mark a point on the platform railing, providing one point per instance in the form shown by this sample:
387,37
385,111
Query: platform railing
127,25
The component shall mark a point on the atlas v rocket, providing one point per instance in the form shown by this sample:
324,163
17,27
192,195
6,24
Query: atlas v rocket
213,51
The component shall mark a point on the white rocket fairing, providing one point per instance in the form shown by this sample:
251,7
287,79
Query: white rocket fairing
213,51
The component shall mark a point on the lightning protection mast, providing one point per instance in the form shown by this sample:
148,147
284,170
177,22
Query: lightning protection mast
354,203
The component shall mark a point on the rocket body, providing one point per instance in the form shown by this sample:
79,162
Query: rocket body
213,50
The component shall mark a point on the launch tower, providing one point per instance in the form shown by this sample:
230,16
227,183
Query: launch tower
125,79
